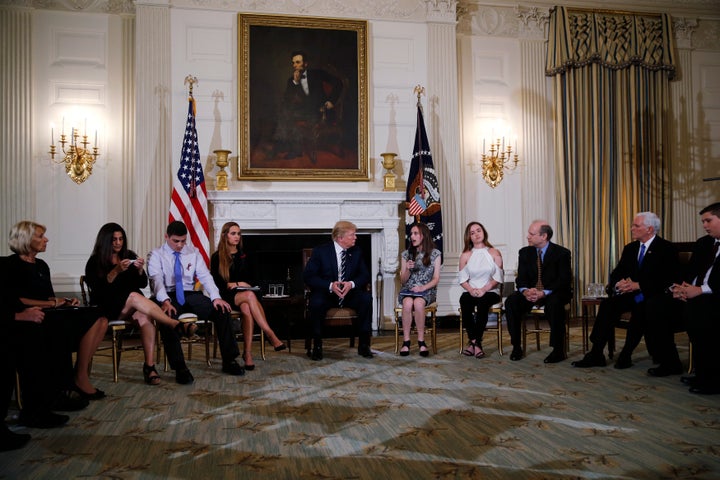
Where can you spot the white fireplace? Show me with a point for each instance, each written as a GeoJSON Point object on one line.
{"type": "Point", "coordinates": [376, 213]}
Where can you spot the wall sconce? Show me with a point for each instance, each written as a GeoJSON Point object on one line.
{"type": "Point", "coordinates": [500, 159]}
{"type": "Point", "coordinates": [78, 158]}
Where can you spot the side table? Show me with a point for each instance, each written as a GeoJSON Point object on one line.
{"type": "Point", "coordinates": [588, 303]}
{"type": "Point", "coordinates": [284, 311]}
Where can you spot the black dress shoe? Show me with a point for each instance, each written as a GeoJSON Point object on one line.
{"type": "Point", "coordinates": [517, 354]}
{"type": "Point", "coordinates": [183, 376]}
{"type": "Point", "coordinates": [42, 420]}
{"type": "Point", "coordinates": [590, 360]}
{"type": "Point", "coordinates": [69, 401]}
{"type": "Point", "coordinates": [364, 351]}
{"type": "Point", "coordinates": [10, 440]}
{"type": "Point", "coordinates": [688, 380]}
{"type": "Point", "coordinates": [316, 354]}
{"type": "Point", "coordinates": [233, 368]}
{"type": "Point", "coordinates": [701, 389]}
{"type": "Point", "coordinates": [663, 371]}
{"type": "Point", "coordinates": [556, 356]}
{"type": "Point", "coordinates": [623, 362]}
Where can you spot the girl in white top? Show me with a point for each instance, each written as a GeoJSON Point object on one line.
{"type": "Point", "coordinates": [480, 275]}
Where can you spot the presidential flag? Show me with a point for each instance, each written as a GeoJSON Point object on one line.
{"type": "Point", "coordinates": [423, 191]}
{"type": "Point", "coordinates": [189, 197]}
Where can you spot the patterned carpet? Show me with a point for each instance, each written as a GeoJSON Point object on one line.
{"type": "Point", "coordinates": [346, 417]}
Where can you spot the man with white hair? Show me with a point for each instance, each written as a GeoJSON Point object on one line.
{"type": "Point", "coordinates": [648, 265]}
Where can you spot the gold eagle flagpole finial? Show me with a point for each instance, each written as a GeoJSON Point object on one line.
{"type": "Point", "coordinates": [192, 80]}
{"type": "Point", "coordinates": [419, 91]}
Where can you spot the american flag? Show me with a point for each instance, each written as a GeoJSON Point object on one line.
{"type": "Point", "coordinates": [189, 197]}
{"type": "Point", "coordinates": [423, 191]}
{"type": "Point", "coordinates": [417, 205]}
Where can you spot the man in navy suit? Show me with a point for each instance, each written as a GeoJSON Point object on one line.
{"type": "Point", "coordinates": [549, 286]}
{"type": "Point", "coordinates": [701, 292]}
{"type": "Point", "coordinates": [647, 267]}
{"type": "Point", "coordinates": [334, 282]}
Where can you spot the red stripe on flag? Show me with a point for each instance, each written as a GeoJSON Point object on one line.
{"type": "Point", "coordinates": [188, 202]}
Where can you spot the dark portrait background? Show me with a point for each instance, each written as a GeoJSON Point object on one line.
{"type": "Point", "coordinates": [335, 143]}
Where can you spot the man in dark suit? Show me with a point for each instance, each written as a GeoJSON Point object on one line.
{"type": "Point", "coordinates": [310, 98]}
{"type": "Point", "coordinates": [548, 285]}
{"type": "Point", "coordinates": [336, 282]}
{"type": "Point", "coordinates": [701, 292]}
{"type": "Point", "coordinates": [647, 266]}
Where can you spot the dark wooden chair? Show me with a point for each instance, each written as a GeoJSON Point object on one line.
{"type": "Point", "coordinates": [335, 318]}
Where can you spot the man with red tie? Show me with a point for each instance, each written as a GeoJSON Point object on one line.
{"type": "Point", "coordinates": [701, 292]}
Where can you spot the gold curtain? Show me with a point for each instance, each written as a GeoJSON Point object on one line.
{"type": "Point", "coordinates": [611, 80]}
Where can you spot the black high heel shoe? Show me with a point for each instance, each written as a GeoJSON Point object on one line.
{"type": "Point", "coordinates": [280, 347]}
{"type": "Point", "coordinates": [248, 367]}
{"type": "Point", "coordinates": [96, 395]}
{"type": "Point", "coordinates": [405, 353]}
{"type": "Point", "coordinates": [151, 379]}
{"type": "Point", "coordinates": [423, 353]}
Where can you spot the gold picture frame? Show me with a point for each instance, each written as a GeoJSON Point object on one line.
{"type": "Point", "coordinates": [299, 128]}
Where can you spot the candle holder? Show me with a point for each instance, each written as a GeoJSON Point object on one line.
{"type": "Point", "coordinates": [494, 164]}
{"type": "Point", "coordinates": [388, 164]}
{"type": "Point", "coordinates": [78, 158]}
{"type": "Point", "coordinates": [221, 179]}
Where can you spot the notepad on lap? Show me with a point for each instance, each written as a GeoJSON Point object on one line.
{"type": "Point", "coordinates": [245, 289]}
{"type": "Point", "coordinates": [410, 293]}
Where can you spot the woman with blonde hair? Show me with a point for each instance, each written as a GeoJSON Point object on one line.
{"type": "Point", "coordinates": [230, 270]}
{"type": "Point", "coordinates": [68, 328]}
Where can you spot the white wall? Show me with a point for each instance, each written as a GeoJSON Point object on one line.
{"type": "Point", "coordinates": [490, 80]}
{"type": "Point", "coordinates": [75, 67]}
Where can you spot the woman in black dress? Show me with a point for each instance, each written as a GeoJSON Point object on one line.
{"type": "Point", "coordinates": [230, 269]}
{"type": "Point", "coordinates": [64, 330]}
{"type": "Point", "coordinates": [115, 276]}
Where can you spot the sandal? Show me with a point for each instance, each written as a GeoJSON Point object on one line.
{"type": "Point", "coordinates": [148, 372]}
{"type": "Point", "coordinates": [405, 353]}
{"type": "Point", "coordinates": [479, 352]}
{"type": "Point", "coordinates": [186, 329]}
{"type": "Point", "coordinates": [470, 350]}
{"type": "Point", "coordinates": [423, 353]}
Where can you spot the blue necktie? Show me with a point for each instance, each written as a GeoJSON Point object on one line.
{"type": "Point", "coordinates": [179, 292]}
{"type": "Point", "coordinates": [640, 297]}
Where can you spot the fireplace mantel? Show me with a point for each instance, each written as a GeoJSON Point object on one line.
{"type": "Point", "coordinates": [376, 213]}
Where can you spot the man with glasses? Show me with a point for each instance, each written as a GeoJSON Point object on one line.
{"type": "Point", "coordinates": [544, 278]}
{"type": "Point", "coordinates": [647, 266]}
